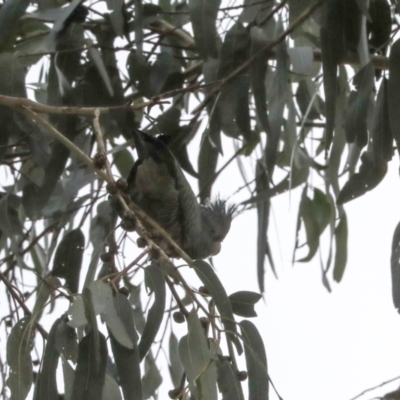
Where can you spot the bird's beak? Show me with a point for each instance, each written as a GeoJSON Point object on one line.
{"type": "Point", "coordinates": [216, 248]}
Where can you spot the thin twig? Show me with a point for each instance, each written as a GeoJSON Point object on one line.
{"type": "Point", "coordinates": [375, 387]}
{"type": "Point", "coordinates": [18, 299]}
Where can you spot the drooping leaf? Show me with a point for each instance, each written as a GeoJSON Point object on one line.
{"type": "Point", "coordinates": [103, 297]}
{"type": "Point", "coordinates": [243, 303]}
{"type": "Point", "coordinates": [203, 15]}
{"type": "Point", "coordinates": [68, 259]}
{"type": "Point", "coordinates": [102, 224]}
{"type": "Point", "coordinates": [302, 60]}
{"type": "Point", "coordinates": [155, 281]}
{"type": "Point", "coordinates": [45, 289]}
{"type": "Point", "coordinates": [97, 59]}
{"type": "Point", "coordinates": [10, 223]}
{"type": "Point", "coordinates": [256, 361]}
{"type": "Point", "coordinates": [258, 71]}
{"type": "Point", "coordinates": [63, 21]}
{"type": "Point", "coordinates": [210, 280]}
{"type": "Point", "coordinates": [393, 93]}
{"type": "Point", "coordinates": [111, 389]}
{"type": "Point", "coordinates": [194, 352]}
{"type": "Point", "coordinates": [395, 267]}
{"type": "Point", "coordinates": [255, 10]}
{"type": "Point", "coordinates": [357, 109]}
{"type": "Point", "coordinates": [228, 382]}
{"type": "Point", "coordinates": [123, 161]}
{"type": "Point", "coordinates": [46, 383]}
{"type": "Point", "coordinates": [175, 365]}
{"type": "Point", "coordinates": [233, 108]}
{"type": "Point", "coordinates": [315, 214]}
{"type": "Point", "coordinates": [139, 72]}
{"type": "Point", "coordinates": [379, 25]}
{"type": "Point", "coordinates": [19, 345]}
{"type": "Point", "coordinates": [339, 140]}
{"type": "Point", "coordinates": [210, 71]}
{"type": "Point", "coordinates": [263, 209]}
{"type": "Point", "coordinates": [10, 15]}
{"type": "Point", "coordinates": [179, 146]}
{"type": "Point", "coordinates": [207, 165]}
{"type": "Point", "coordinates": [367, 178]}
{"type": "Point", "coordinates": [67, 341]}
{"type": "Point", "coordinates": [341, 249]}
{"type": "Point", "coordinates": [127, 360]}
{"type": "Point", "coordinates": [382, 138]}
{"type": "Point", "coordinates": [165, 74]}
{"type": "Point", "coordinates": [234, 50]}
{"type": "Point", "coordinates": [207, 383]}
{"type": "Point", "coordinates": [90, 368]}
{"type": "Point", "coordinates": [152, 378]}
{"type": "Point", "coordinates": [277, 98]}
{"type": "Point", "coordinates": [333, 51]}
{"type": "Point", "coordinates": [303, 99]}
{"type": "Point", "coordinates": [68, 373]}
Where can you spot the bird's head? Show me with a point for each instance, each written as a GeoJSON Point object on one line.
{"type": "Point", "coordinates": [216, 218]}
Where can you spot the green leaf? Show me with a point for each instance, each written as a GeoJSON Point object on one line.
{"type": "Point", "coordinates": [46, 288]}
{"type": "Point", "coordinates": [90, 368]}
{"type": "Point", "coordinates": [207, 383]}
{"type": "Point", "coordinates": [395, 267]}
{"type": "Point", "coordinates": [127, 360]}
{"type": "Point", "coordinates": [243, 303]}
{"type": "Point", "coordinates": [357, 108]}
{"type": "Point", "coordinates": [197, 359]}
{"type": "Point", "coordinates": [211, 281]}
{"type": "Point", "coordinates": [234, 50]}
{"type": "Point", "coordinates": [315, 214]}
{"type": "Point", "coordinates": [68, 373]}
{"type": "Point", "coordinates": [103, 296]}
{"type": "Point", "coordinates": [152, 378]}
{"type": "Point", "coordinates": [97, 59]}
{"type": "Point", "coordinates": [68, 259]}
{"type": "Point", "coordinates": [203, 15]}
{"type": "Point", "coordinates": [258, 71]}
{"type": "Point", "coordinates": [123, 161]}
{"type": "Point", "coordinates": [10, 15]}
{"type": "Point", "coordinates": [382, 137]}
{"type": "Point", "coordinates": [379, 25]}
{"type": "Point", "coordinates": [102, 224]}
{"type": "Point", "coordinates": [19, 344]}
{"type": "Point", "coordinates": [111, 389]}
{"type": "Point", "coordinates": [393, 92]}
{"type": "Point", "coordinates": [175, 365]}
{"type": "Point", "coordinates": [263, 209]}
{"type": "Point", "coordinates": [233, 108]}
{"type": "Point", "coordinates": [207, 164]}
{"type": "Point", "coordinates": [341, 249]}
{"type": "Point", "coordinates": [10, 223]}
{"type": "Point", "coordinates": [46, 383]}
{"type": "Point", "coordinates": [154, 279]}
{"type": "Point", "coordinates": [256, 361]}
{"type": "Point", "coordinates": [228, 382]}
{"type": "Point", "coordinates": [277, 99]}
{"type": "Point", "coordinates": [66, 341]}
{"type": "Point", "coordinates": [367, 178]}
{"type": "Point", "coordinates": [165, 74]}
{"type": "Point", "coordinates": [304, 92]}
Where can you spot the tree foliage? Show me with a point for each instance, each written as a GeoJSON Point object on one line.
{"type": "Point", "coordinates": [301, 88]}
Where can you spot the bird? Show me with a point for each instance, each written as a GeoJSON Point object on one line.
{"type": "Point", "coordinates": [157, 184]}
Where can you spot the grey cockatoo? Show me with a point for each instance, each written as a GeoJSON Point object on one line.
{"type": "Point", "coordinates": [158, 185]}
